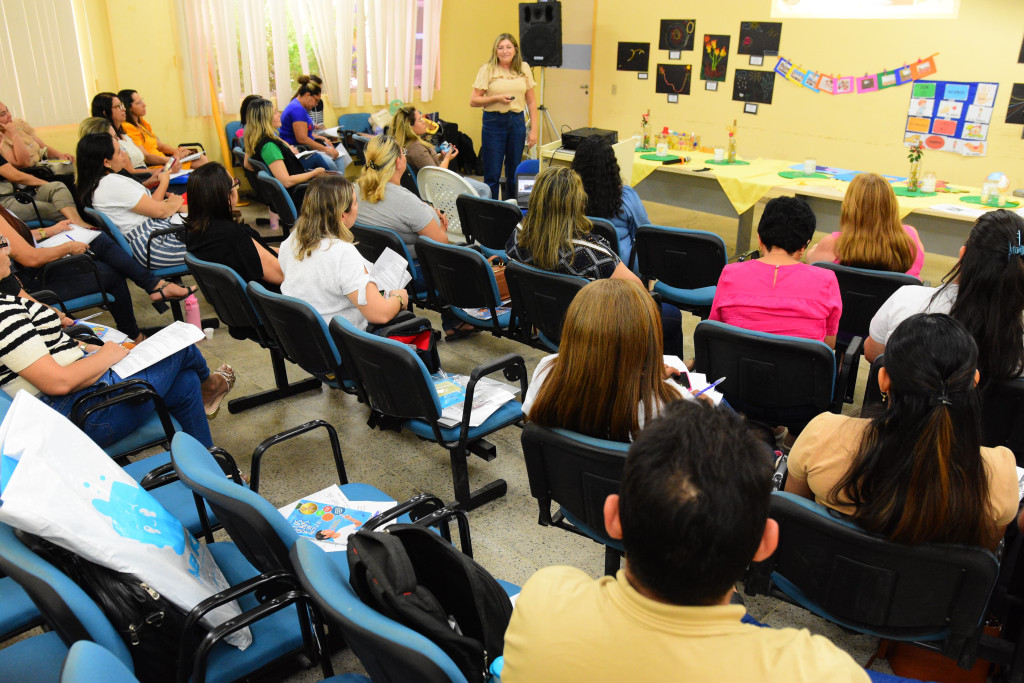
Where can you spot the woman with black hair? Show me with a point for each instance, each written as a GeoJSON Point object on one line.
{"type": "Point", "coordinates": [777, 293]}
{"type": "Point", "coordinates": [918, 472]}
{"type": "Point", "coordinates": [214, 235]}
{"type": "Point", "coordinates": [138, 129]}
{"type": "Point", "coordinates": [984, 291]}
{"type": "Point", "coordinates": [135, 211]}
{"type": "Point", "coordinates": [607, 196]}
{"type": "Point", "coordinates": [297, 128]}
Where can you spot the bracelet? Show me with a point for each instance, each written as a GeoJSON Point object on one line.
{"type": "Point", "coordinates": [401, 302]}
{"type": "Point", "coordinates": [42, 233]}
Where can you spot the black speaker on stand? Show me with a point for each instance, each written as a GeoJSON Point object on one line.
{"type": "Point", "coordinates": [540, 44]}
{"type": "Point", "coordinates": [540, 33]}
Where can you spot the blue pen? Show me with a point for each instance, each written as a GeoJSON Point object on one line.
{"type": "Point", "coordinates": [710, 386]}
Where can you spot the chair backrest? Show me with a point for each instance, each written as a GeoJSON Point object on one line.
{"type": "Point", "coordinates": [541, 298]}
{"type": "Point", "coordinates": [528, 166]}
{"type": "Point", "coordinates": [357, 123]}
{"type": "Point", "coordinates": [864, 582]}
{"type": "Point", "coordinates": [773, 378]}
{"type": "Point", "coordinates": [575, 471]}
{"type": "Point", "coordinates": [602, 227]}
{"type": "Point", "coordinates": [460, 275]}
{"type": "Point", "coordinates": [65, 607]}
{"type": "Point", "coordinates": [88, 662]}
{"type": "Point", "coordinates": [279, 198]}
{"type": "Point", "coordinates": [256, 527]}
{"type": "Point", "coordinates": [300, 332]}
{"type": "Point", "coordinates": [1002, 416]}
{"type": "Point", "coordinates": [681, 258]}
{"type": "Point", "coordinates": [390, 652]}
{"type": "Point", "coordinates": [442, 187]}
{"type": "Point", "coordinates": [408, 181]}
{"type": "Point", "coordinates": [487, 221]}
{"type": "Point", "coordinates": [259, 165]}
{"type": "Point", "coordinates": [372, 240]}
{"type": "Point", "coordinates": [863, 292]}
{"type": "Point", "coordinates": [101, 221]}
{"type": "Point", "coordinates": [224, 289]}
{"type": "Point", "coordinates": [231, 129]}
{"type": "Point", "coordinates": [391, 376]}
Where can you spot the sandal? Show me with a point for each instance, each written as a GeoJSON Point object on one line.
{"type": "Point", "coordinates": [459, 331]}
{"type": "Point", "coordinates": [164, 297]}
{"type": "Point", "coordinates": [213, 407]}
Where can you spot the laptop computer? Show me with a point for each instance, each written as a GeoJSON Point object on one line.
{"type": "Point", "coordinates": [524, 186]}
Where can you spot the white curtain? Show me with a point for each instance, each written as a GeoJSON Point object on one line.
{"type": "Point", "coordinates": [43, 81]}
{"type": "Point", "coordinates": [359, 45]}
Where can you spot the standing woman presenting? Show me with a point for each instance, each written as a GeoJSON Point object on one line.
{"type": "Point", "coordinates": [504, 88]}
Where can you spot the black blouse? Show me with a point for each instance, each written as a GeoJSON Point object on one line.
{"type": "Point", "coordinates": [231, 244]}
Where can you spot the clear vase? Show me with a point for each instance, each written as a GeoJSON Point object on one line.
{"type": "Point", "coordinates": [646, 142]}
{"type": "Point", "coordinates": [914, 179]}
{"type": "Point", "coordinates": [732, 150]}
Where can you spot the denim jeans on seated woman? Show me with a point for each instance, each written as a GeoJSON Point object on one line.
{"type": "Point", "coordinates": [176, 378]}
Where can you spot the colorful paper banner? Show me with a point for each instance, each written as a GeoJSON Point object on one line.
{"type": "Point", "coordinates": [819, 81]}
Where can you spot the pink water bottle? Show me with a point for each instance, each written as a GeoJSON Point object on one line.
{"type": "Point", "coordinates": [192, 316]}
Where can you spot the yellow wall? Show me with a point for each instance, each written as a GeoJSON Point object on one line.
{"type": "Point", "coordinates": [123, 47]}
{"type": "Point", "coordinates": [863, 132]}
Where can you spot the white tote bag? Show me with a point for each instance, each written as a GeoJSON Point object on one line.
{"type": "Point", "coordinates": [56, 483]}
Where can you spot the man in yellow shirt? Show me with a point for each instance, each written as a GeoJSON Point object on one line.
{"type": "Point", "coordinates": [692, 513]}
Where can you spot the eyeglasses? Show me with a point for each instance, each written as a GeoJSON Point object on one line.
{"type": "Point", "coordinates": [119, 106]}
{"type": "Point", "coordinates": [4, 244]}
{"type": "Point", "coordinates": [235, 182]}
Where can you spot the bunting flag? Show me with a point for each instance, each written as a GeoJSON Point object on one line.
{"type": "Point", "coordinates": [819, 81]}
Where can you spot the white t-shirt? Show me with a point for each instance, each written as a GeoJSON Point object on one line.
{"type": "Point", "coordinates": [116, 196]}
{"type": "Point", "coordinates": [543, 369]}
{"type": "Point", "coordinates": [326, 277]}
{"type": "Point", "coordinates": [905, 302]}
{"type": "Point", "coordinates": [136, 155]}
{"type": "Point", "coordinates": [399, 210]}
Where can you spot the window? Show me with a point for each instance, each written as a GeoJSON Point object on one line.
{"type": "Point", "coordinates": [384, 48]}
{"type": "Point", "coordinates": [43, 82]}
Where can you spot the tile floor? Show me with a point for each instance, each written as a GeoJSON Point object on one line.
{"type": "Point", "coordinates": [506, 537]}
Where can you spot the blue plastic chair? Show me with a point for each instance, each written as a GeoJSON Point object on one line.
{"type": "Point", "coordinates": [685, 263]}
{"type": "Point", "coordinates": [540, 300]}
{"type": "Point", "coordinates": [281, 200]}
{"type": "Point", "coordinates": [372, 240]}
{"type": "Point", "coordinates": [463, 279]}
{"type": "Point", "coordinates": [88, 662]}
{"type": "Point", "coordinates": [488, 222]}
{"type": "Point", "coordinates": [397, 385]}
{"type": "Point", "coordinates": [358, 122]}
{"type": "Point", "coordinates": [65, 607]}
{"type": "Point", "coordinates": [577, 473]}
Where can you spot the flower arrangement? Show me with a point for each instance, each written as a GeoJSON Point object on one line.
{"type": "Point", "coordinates": [914, 157]}
{"type": "Point", "coordinates": [732, 141]}
{"type": "Point", "coordinates": [645, 122]}
{"type": "Point", "coordinates": [916, 152]}
{"type": "Point", "coordinates": [714, 52]}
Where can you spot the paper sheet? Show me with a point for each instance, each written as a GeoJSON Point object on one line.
{"type": "Point", "coordinates": [190, 157]}
{"type": "Point", "coordinates": [390, 271]}
{"type": "Point", "coordinates": [698, 380]}
{"type": "Point", "coordinates": [303, 155]}
{"type": "Point", "coordinates": [171, 339]}
{"type": "Point", "coordinates": [957, 210]}
{"type": "Point", "coordinates": [180, 174]}
{"type": "Point", "coordinates": [76, 234]}
{"type": "Point", "coordinates": [332, 495]}
{"type": "Point", "coordinates": [488, 396]}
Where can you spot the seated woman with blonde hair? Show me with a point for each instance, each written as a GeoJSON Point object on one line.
{"type": "Point", "coordinates": [579, 389]}
{"type": "Point", "coordinates": [386, 204]}
{"type": "Point", "coordinates": [408, 127]}
{"type": "Point", "coordinates": [555, 236]}
{"type": "Point", "coordinates": [871, 234]}
{"type": "Point", "coordinates": [322, 265]}
{"type": "Point", "coordinates": [918, 473]}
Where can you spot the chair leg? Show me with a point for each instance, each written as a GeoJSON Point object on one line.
{"type": "Point", "coordinates": [283, 388]}
{"type": "Point", "coordinates": [469, 500]}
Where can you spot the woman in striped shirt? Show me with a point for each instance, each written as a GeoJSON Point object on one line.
{"type": "Point", "coordinates": [37, 356]}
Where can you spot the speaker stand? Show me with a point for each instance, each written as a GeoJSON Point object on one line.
{"type": "Point", "coordinates": [545, 116]}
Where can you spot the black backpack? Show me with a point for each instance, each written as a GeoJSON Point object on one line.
{"type": "Point", "coordinates": [417, 578]}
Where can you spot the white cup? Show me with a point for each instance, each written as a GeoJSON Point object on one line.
{"type": "Point", "coordinates": [662, 148]}
{"type": "Point", "coordinates": [208, 331]}
{"type": "Point", "coordinates": [928, 182]}
{"type": "Point", "coordinates": [810, 165]}
{"type": "Point", "coordinates": [719, 154]}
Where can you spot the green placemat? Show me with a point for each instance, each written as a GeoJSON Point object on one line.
{"type": "Point", "coordinates": [993, 201]}
{"type": "Point", "coordinates": [655, 157]}
{"type": "Point", "coordinates": [801, 174]}
{"type": "Point", "coordinates": [727, 163]}
{"type": "Point", "coordinates": [647, 149]}
{"type": "Point", "coordinates": [904, 192]}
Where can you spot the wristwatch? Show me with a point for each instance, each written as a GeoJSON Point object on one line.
{"type": "Point", "coordinates": [401, 301]}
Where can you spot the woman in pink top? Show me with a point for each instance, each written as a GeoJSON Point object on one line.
{"type": "Point", "coordinates": [871, 234]}
{"type": "Point", "coordinates": [777, 293]}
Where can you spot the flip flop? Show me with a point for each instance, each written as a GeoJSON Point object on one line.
{"type": "Point", "coordinates": [459, 331]}
{"type": "Point", "coordinates": [228, 374]}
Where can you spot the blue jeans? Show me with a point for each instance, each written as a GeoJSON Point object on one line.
{"type": "Point", "coordinates": [113, 266]}
{"type": "Point", "coordinates": [176, 378]}
{"type": "Point", "coordinates": [502, 140]}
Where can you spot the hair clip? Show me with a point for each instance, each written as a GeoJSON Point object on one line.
{"type": "Point", "coordinates": [1015, 250]}
{"type": "Point", "coordinates": [372, 166]}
